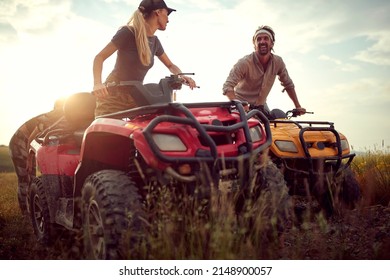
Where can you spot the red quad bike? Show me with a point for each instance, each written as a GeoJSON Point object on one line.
{"type": "Point", "coordinates": [93, 172]}
{"type": "Point", "coordinates": [315, 159]}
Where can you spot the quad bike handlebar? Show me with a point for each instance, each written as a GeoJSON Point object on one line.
{"type": "Point", "coordinates": [276, 113]}
{"type": "Point", "coordinates": [174, 80]}
{"type": "Point", "coordinates": [183, 81]}
{"type": "Point", "coordinates": [152, 93]}
{"type": "Point", "coordinates": [295, 113]}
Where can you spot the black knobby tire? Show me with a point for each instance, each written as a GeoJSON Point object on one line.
{"type": "Point", "coordinates": [350, 193]}
{"type": "Point", "coordinates": [44, 231]}
{"type": "Point", "coordinates": [22, 198]}
{"type": "Point", "coordinates": [342, 191]}
{"type": "Point", "coordinates": [112, 216]}
{"type": "Point", "coordinates": [269, 204]}
{"type": "Point", "coordinates": [271, 190]}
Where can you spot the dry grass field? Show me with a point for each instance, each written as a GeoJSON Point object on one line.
{"type": "Point", "coordinates": [362, 233]}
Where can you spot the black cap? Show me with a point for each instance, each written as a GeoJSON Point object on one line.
{"type": "Point", "coordinates": [147, 6]}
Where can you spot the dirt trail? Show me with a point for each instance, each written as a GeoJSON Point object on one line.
{"type": "Point", "coordinates": [360, 234]}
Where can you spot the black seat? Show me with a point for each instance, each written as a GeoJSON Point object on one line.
{"type": "Point", "coordinates": [278, 114]}
{"type": "Point", "coordinates": [79, 110]}
{"type": "Point", "coordinates": [149, 94]}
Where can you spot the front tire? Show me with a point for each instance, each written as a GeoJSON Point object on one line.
{"type": "Point", "coordinates": [350, 193]}
{"type": "Point", "coordinates": [270, 191]}
{"type": "Point", "coordinates": [112, 216]}
{"type": "Point", "coordinates": [342, 191]}
{"type": "Point", "coordinates": [269, 204]}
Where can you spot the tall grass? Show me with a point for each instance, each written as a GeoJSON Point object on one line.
{"type": "Point", "coordinates": [15, 233]}
{"type": "Point", "coordinates": [5, 160]}
{"type": "Point", "coordinates": [373, 173]}
{"type": "Point", "coordinates": [180, 227]}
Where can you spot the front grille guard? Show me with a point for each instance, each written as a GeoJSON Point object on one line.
{"type": "Point", "coordinates": [338, 158]}
{"type": "Point", "coordinates": [202, 129]}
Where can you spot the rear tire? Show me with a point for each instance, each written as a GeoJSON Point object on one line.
{"type": "Point", "coordinates": [112, 216]}
{"type": "Point", "coordinates": [44, 231]}
{"type": "Point", "coordinates": [22, 198]}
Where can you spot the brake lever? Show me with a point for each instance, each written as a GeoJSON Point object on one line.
{"type": "Point", "coordinates": [187, 84]}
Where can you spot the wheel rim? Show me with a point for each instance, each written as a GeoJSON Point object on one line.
{"type": "Point", "coordinates": [39, 218]}
{"type": "Point", "coordinates": [96, 231]}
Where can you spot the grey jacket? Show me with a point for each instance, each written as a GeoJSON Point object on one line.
{"type": "Point", "coordinates": [249, 81]}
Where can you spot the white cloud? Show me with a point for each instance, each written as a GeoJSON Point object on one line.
{"type": "Point", "coordinates": [8, 33]}
{"type": "Point", "coordinates": [35, 16]}
{"type": "Point", "coordinates": [340, 65]}
{"type": "Point", "coordinates": [379, 52]}
{"type": "Point", "coordinates": [327, 58]}
{"type": "Point", "coordinates": [39, 67]}
{"type": "Point", "coordinates": [56, 45]}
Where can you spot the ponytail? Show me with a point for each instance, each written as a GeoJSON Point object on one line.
{"type": "Point", "coordinates": [138, 26]}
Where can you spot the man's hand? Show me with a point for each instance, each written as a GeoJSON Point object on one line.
{"type": "Point", "coordinates": [300, 111]}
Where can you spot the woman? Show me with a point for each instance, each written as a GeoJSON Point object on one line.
{"type": "Point", "coordinates": [136, 46]}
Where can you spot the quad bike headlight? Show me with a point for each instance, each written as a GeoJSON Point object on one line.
{"type": "Point", "coordinates": [286, 146]}
{"type": "Point", "coordinates": [344, 144]}
{"type": "Point", "coordinates": [255, 133]}
{"type": "Point", "coordinates": [169, 143]}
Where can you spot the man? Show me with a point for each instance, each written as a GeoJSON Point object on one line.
{"type": "Point", "coordinates": [253, 76]}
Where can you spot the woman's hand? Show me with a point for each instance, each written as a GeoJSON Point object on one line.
{"type": "Point", "coordinates": [189, 82]}
{"type": "Point", "coordinates": [100, 91]}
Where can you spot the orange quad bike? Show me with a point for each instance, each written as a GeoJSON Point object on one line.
{"type": "Point", "coordinates": [315, 159]}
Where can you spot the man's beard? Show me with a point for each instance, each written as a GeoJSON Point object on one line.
{"type": "Point", "coordinates": [263, 49]}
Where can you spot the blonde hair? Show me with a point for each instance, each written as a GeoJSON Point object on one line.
{"type": "Point", "coordinates": [137, 24]}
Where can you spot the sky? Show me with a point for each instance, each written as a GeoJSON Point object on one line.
{"type": "Point", "coordinates": [336, 52]}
